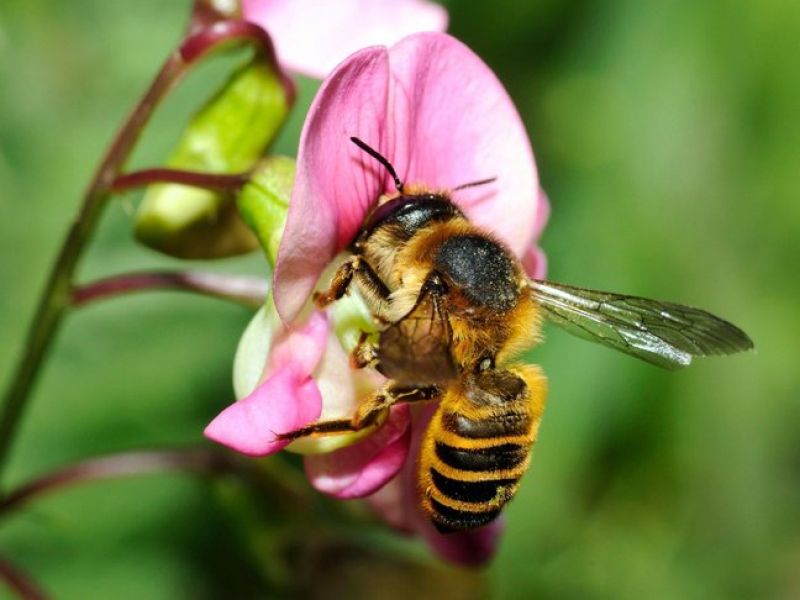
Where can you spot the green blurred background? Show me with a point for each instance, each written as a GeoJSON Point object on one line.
{"type": "Point", "coordinates": [667, 135]}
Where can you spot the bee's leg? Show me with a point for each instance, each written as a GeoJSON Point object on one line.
{"type": "Point", "coordinates": [339, 284]}
{"type": "Point", "coordinates": [377, 405]}
{"type": "Point", "coordinates": [371, 286]}
{"type": "Point", "coordinates": [365, 354]}
{"type": "Point", "coordinates": [373, 410]}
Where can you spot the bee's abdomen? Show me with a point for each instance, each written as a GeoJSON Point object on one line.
{"type": "Point", "coordinates": [471, 469]}
{"type": "Point", "coordinates": [501, 457]}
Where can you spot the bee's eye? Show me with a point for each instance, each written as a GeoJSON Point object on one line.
{"type": "Point", "coordinates": [485, 364]}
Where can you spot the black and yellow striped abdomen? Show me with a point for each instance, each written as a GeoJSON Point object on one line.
{"type": "Point", "coordinates": [478, 446]}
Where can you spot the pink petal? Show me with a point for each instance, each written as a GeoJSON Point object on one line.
{"type": "Point", "coordinates": [363, 468]}
{"type": "Point", "coordinates": [313, 36]}
{"type": "Point", "coordinates": [389, 503]}
{"type": "Point", "coordinates": [302, 347]}
{"type": "Point", "coordinates": [454, 123]}
{"type": "Point", "coordinates": [534, 261]}
{"type": "Point", "coordinates": [336, 183]}
{"type": "Point", "coordinates": [467, 548]}
{"type": "Point", "coordinates": [285, 401]}
{"type": "Point", "coordinates": [542, 214]}
{"type": "Point", "coordinates": [398, 503]}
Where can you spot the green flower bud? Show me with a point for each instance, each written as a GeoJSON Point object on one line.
{"type": "Point", "coordinates": [228, 135]}
{"type": "Point", "coordinates": [264, 200]}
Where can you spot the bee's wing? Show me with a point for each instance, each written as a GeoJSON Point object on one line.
{"type": "Point", "coordinates": [662, 333]}
{"type": "Point", "coordinates": [416, 349]}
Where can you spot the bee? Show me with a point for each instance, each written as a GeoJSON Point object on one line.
{"type": "Point", "coordinates": [454, 307]}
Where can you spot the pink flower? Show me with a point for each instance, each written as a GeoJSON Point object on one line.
{"type": "Point", "coordinates": [442, 118]}
{"type": "Point", "coordinates": [313, 36]}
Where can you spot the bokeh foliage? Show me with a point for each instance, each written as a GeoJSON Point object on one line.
{"type": "Point", "coordinates": [668, 138]}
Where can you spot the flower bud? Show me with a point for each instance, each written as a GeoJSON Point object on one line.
{"type": "Point", "coordinates": [264, 201]}
{"type": "Point", "coordinates": [228, 135]}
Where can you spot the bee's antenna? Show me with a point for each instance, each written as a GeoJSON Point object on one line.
{"type": "Point", "coordinates": [464, 186]}
{"type": "Point", "coordinates": [374, 154]}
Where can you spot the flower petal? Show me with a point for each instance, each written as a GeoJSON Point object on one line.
{"type": "Point", "coordinates": [467, 548]}
{"type": "Point", "coordinates": [300, 348]}
{"type": "Point", "coordinates": [534, 261]}
{"type": "Point", "coordinates": [313, 36]}
{"type": "Point", "coordinates": [389, 503]}
{"type": "Point", "coordinates": [253, 350]}
{"type": "Point", "coordinates": [288, 399]}
{"type": "Point", "coordinates": [336, 183]}
{"type": "Point", "coordinates": [341, 388]}
{"type": "Point", "coordinates": [542, 214]}
{"type": "Point", "coordinates": [285, 401]}
{"type": "Point", "coordinates": [363, 468]}
{"type": "Point", "coordinates": [454, 123]}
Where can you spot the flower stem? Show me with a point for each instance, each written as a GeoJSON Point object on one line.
{"type": "Point", "coordinates": [281, 483]}
{"type": "Point", "coordinates": [114, 465]}
{"type": "Point", "coordinates": [57, 295]}
{"type": "Point", "coordinates": [19, 582]}
{"type": "Point", "coordinates": [219, 182]}
{"type": "Point", "coordinates": [242, 289]}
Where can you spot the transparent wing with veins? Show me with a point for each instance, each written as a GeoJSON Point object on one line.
{"type": "Point", "coordinates": [662, 333]}
{"type": "Point", "coordinates": [416, 349]}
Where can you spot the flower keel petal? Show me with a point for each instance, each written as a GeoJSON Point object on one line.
{"type": "Point", "coordinates": [284, 402]}
{"type": "Point", "coordinates": [467, 548]}
{"type": "Point", "coordinates": [363, 468]}
{"type": "Point", "coordinates": [301, 348]}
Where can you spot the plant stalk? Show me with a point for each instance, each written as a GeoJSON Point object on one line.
{"type": "Point", "coordinates": [246, 290]}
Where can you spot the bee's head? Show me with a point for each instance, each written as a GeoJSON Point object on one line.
{"type": "Point", "coordinates": [413, 206]}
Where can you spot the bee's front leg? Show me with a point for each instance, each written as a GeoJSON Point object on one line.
{"type": "Point", "coordinates": [339, 284]}
{"type": "Point", "coordinates": [373, 290]}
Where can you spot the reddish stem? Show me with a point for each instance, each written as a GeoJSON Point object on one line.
{"type": "Point", "coordinates": [115, 465]}
{"type": "Point", "coordinates": [19, 582]}
{"type": "Point", "coordinates": [242, 289]}
{"type": "Point", "coordinates": [237, 31]}
{"type": "Point", "coordinates": [207, 12]}
{"type": "Point", "coordinates": [57, 294]}
{"type": "Point", "coordinates": [219, 182]}
{"type": "Point", "coordinates": [284, 486]}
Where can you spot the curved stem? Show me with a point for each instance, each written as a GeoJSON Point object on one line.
{"type": "Point", "coordinates": [57, 295]}
{"type": "Point", "coordinates": [219, 182]}
{"type": "Point", "coordinates": [19, 582]}
{"type": "Point", "coordinates": [284, 485]}
{"type": "Point", "coordinates": [55, 298]}
{"type": "Point", "coordinates": [115, 465]}
{"type": "Point", "coordinates": [242, 289]}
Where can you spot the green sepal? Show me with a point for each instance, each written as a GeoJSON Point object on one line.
{"type": "Point", "coordinates": [228, 135]}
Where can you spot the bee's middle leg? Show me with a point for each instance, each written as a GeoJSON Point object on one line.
{"type": "Point", "coordinates": [365, 354]}
{"type": "Point", "coordinates": [373, 410]}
